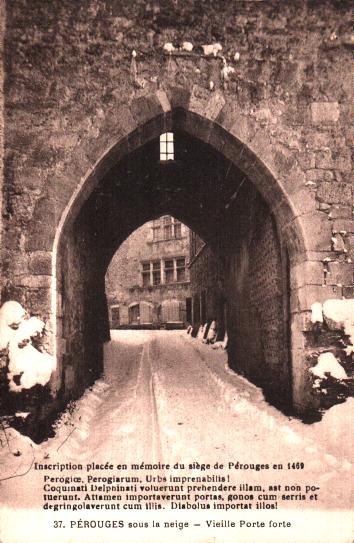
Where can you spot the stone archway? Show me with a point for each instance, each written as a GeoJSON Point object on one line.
{"type": "Point", "coordinates": [233, 153]}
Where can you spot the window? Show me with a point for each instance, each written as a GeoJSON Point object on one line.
{"type": "Point", "coordinates": [181, 269]}
{"type": "Point", "coordinates": [177, 230]}
{"type": "Point", "coordinates": [169, 271]}
{"type": "Point", "coordinates": [146, 274]}
{"type": "Point", "coordinates": [156, 230]}
{"type": "Point", "coordinates": [172, 228]}
{"type": "Point", "coordinates": [167, 146]}
{"type": "Point", "coordinates": [156, 233]}
{"type": "Point", "coordinates": [159, 272]}
{"type": "Point", "coordinates": [156, 273]}
{"type": "Point", "coordinates": [166, 228]}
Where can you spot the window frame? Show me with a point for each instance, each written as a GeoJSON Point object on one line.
{"type": "Point", "coordinates": [160, 274]}
{"type": "Point", "coordinates": [167, 147]}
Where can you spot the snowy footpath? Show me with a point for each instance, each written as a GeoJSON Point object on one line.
{"type": "Point", "coordinates": [167, 399]}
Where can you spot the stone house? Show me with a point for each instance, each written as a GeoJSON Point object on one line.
{"type": "Point", "coordinates": [147, 281]}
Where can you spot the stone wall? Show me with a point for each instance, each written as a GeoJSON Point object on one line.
{"type": "Point", "coordinates": [247, 272]}
{"type": "Point", "coordinates": [71, 92]}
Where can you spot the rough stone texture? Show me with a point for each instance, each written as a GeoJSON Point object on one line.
{"type": "Point", "coordinates": [75, 106]}
{"type": "Point", "coordinates": [325, 112]}
{"type": "Point", "coordinates": [247, 275]}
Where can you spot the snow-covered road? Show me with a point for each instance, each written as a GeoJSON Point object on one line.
{"type": "Point", "coordinates": [166, 397]}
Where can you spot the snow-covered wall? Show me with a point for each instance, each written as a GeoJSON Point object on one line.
{"type": "Point", "coordinates": [332, 350]}
{"type": "Point", "coordinates": [26, 366]}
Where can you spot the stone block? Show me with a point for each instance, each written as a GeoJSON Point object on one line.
{"type": "Point", "coordinates": [40, 263]}
{"type": "Point", "coordinates": [38, 302]}
{"type": "Point", "coordinates": [306, 273]}
{"type": "Point", "coordinates": [41, 235]}
{"type": "Point", "coordinates": [304, 201]}
{"type": "Point", "coordinates": [340, 273]}
{"type": "Point", "coordinates": [341, 212]}
{"type": "Point", "coordinates": [316, 229]}
{"type": "Point", "coordinates": [343, 226]}
{"type": "Point", "coordinates": [214, 105]}
{"type": "Point", "coordinates": [11, 238]}
{"type": "Point", "coordinates": [334, 193]}
{"type": "Point", "coordinates": [199, 98]}
{"type": "Point", "coordinates": [303, 297]}
{"type": "Point", "coordinates": [35, 281]}
{"type": "Point", "coordinates": [319, 140]}
{"type": "Point", "coordinates": [125, 120]}
{"type": "Point", "coordinates": [198, 126]}
{"type": "Point", "coordinates": [17, 263]}
{"type": "Point", "coordinates": [307, 160]}
{"type": "Point", "coordinates": [324, 160]}
{"type": "Point", "coordinates": [343, 162]}
{"type": "Point", "coordinates": [325, 112]}
{"type": "Point", "coordinates": [178, 97]}
{"type": "Point", "coordinates": [318, 176]}
{"type": "Point", "coordinates": [348, 292]}
{"type": "Point", "coordinates": [145, 108]}
{"type": "Point", "coordinates": [164, 101]}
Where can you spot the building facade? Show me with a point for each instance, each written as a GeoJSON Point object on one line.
{"type": "Point", "coordinates": [147, 281]}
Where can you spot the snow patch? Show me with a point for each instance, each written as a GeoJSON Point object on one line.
{"type": "Point", "coordinates": [291, 436]}
{"type": "Point", "coordinates": [169, 47]}
{"type": "Point", "coordinates": [346, 466]}
{"type": "Point", "coordinates": [11, 315]}
{"type": "Point", "coordinates": [212, 49]}
{"type": "Point", "coordinates": [316, 312]}
{"type": "Point", "coordinates": [327, 363]}
{"type": "Point", "coordinates": [342, 313]}
{"type": "Point", "coordinates": [226, 71]}
{"type": "Point", "coordinates": [16, 332]}
{"type": "Point", "coordinates": [187, 46]}
{"type": "Point", "coordinates": [212, 332]}
{"type": "Point", "coordinates": [35, 367]}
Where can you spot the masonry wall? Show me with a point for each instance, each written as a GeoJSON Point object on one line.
{"type": "Point", "coordinates": [247, 273]}
{"type": "Point", "coordinates": [70, 90]}
{"type": "Point", "coordinates": [82, 313]}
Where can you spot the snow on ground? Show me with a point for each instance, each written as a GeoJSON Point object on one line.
{"type": "Point", "coordinates": [248, 398]}
{"type": "Point", "coordinates": [165, 394]}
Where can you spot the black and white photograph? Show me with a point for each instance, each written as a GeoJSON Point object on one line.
{"type": "Point", "coordinates": [176, 277]}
